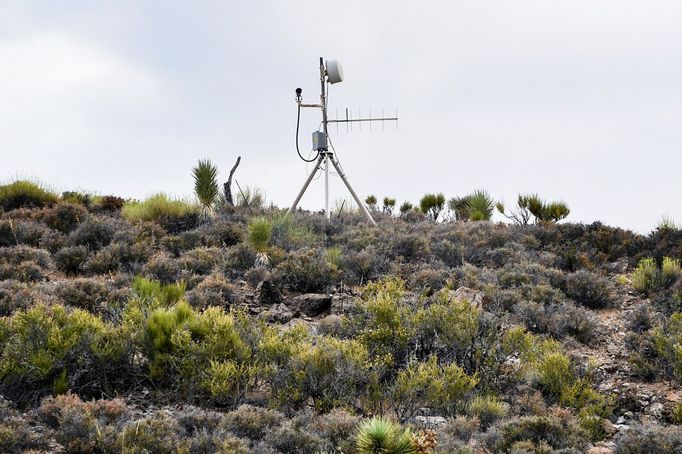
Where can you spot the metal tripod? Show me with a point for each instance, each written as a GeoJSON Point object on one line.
{"type": "Point", "coordinates": [324, 156]}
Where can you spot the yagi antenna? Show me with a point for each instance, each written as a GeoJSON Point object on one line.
{"type": "Point", "coordinates": [331, 73]}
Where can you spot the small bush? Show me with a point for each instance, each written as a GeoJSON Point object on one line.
{"type": "Point", "coordinates": [649, 278]}
{"type": "Point", "coordinates": [259, 233]}
{"type": "Point", "coordinates": [214, 290]}
{"type": "Point", "coordinates": [487, 409]}
{"type": "Point", "coordinates": [24, 263]}
{"type": "Point", "coordinates": [94, 233]}
{"type": "Point", "coordinates": [535, 434]}
{"type": "Point", "coordinates": [163, 268]}
{"type": "Point", "coordinates": [252, 422]}
{"type": "Point", "coordinates": [588, 289]}
{"type": "Point", "coordinates": [651, 439]}
{"type": "Point", "coordinates": [25, 194]}
{"type": "Point", "coordinates": [202, 260]}
{"type": "Point", "coordinates": [57, 346]}
{"type": "Point", "coordinates": [15, 295]}
{"type": "Point", "coordinates": [329, 374]}
{"type": "Point", "coordinates": [429, 385]}
{"type": "Point", "coordinates": [64, 217]}
{"type": "Point", "coordinates": [307, 271]}
{"type": "Point", "coordinates": [71, 259]}
{"type": "Point", "coordinates": [174, 215]}
{"type": "Point", "coordinates": [83, 293]}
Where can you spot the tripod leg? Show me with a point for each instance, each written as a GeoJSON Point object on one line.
{"type": "Point", "coordinates": [350, 189]}
{"type": "Point", "coordinates": [306, 184]}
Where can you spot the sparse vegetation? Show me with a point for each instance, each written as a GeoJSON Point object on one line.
{"type": "Point", "coordinates": [250, 331]}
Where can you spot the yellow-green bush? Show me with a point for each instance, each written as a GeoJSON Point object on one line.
{"type": "Point", "coordinates": [667, 340]}
{"type": "Point", "coordinates": [24, 193]}
{"type": "Point", "coordinates": [174, 215]}
{"type": "Point", "coordinates": [429, 384]}
{"type": "Point", "coordinates": [649, 277]}
{"type": "Point", "coordinates": [326, 372]}
{"type": "Point", "coordinates": [183, 346]}
{"type": "Point", "coordinates": [55, 347]}
{"type": "Point", "coordinates": [487, 409]}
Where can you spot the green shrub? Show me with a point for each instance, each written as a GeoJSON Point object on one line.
{"type": "Point", "coordinates": [44, 345]}
{"type": "Point", "coordinates": [649, 278]}
{"type": "Point", "coordinates": [173, 215]}
{"type": "Point", "coordinates": [378, 435]}
{"type": "Point", "coordinates": [532, 204]}
{"type": "Point", "coordinates": [206, 185]}
{"type": "Point", "coordinates": [487, 409]}
{"type": "Point", "coordinates": [427, 384]}
{"type": "Point", "coordinates": [405, 208]}
{"type": "Point", "coordinates": [555, 374]}
{"type": "Point", "coordinates": [251, 197]}
{"type": "Point", "coordinates": [667, 340]}
{"type": "Point", "coordinates": [289, 233]}
{"type": "Point", "coordinates": [259, 233]}
{"type": "Point", "coordinates": [329, 373]}
{"type": "Point", "coordinates": [432, 205]}
{"type": "Point", "coordinates": [25, 194]}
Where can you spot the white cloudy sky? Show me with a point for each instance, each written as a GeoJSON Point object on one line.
{"type": "Point", "coordinates": [575, 100]}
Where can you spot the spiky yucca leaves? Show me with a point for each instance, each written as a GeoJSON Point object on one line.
{"type": "Point", "coordinates": [480, 206]}
{"type": "Point", "coordinates": [532, 204]}
{"type": "Point", "coordinates": [381, 436]}
{"type": "Point", "coordinates": [371, 202]}
{"type": "Point", "coordinates": [260, 235]}
{"type": "Point", "coordinates": [206, 185]}
{"type": "Point", "coordinates": [432, 205]}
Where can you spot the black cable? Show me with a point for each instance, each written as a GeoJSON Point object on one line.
{"type": "Point", "coordinates": [298, 121]}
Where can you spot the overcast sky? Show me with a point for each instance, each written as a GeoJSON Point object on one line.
{"type": "Point", "coordinates": [574, 100]}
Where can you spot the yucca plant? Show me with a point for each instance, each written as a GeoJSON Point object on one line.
{"type": "Point", "coordinates": [206, 185]}
{"type": "Point", "coordinates": [381, 436]}
{"type": "Point", "coordinates": [480, 206]}
{"type": "Point", "coordinates": [260, 235]}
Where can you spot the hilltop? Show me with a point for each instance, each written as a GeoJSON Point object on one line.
{"type": "Point", "coordinates": [162, 326]}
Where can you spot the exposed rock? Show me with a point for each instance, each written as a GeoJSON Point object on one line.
{"type": "Point", "coordinates": [475, 297]}
{"type": "Point", "coordinates": [341, 302]}
{"type": "Point", "coordinates": [429, 422]}
{"type": "Point", "coordinates": [311, 304]}
{"type": "Point", "coordinates": [655, 410]}
{"type": "Point", "coordinates": [268, 294]}
{"type": "Point", "coordinates": [279, 313]}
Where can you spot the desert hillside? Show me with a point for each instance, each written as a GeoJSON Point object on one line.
{"type": "Point", "coordinates": [161, 326]}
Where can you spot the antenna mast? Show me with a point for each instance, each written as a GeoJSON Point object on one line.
{"type": "Point", "coordinates": [332, 73]}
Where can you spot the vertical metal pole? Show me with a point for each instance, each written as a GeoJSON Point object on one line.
{"type": "Point", "coordinates": [326, 154]}
{"type": "Point", "coordinates": [327, 213]}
